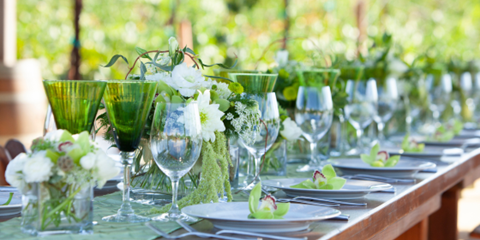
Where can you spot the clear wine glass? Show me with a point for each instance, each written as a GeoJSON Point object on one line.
{"type": "Point", "coordinates": [262, 137]}
{"type": "Point", "coordinates": [361, 108]}
{"type": "Point", "coordinates": [314, 115]}
{"type": "Point", "coordinates": [176, 143]}
{"type": "Point", "coordinates": [386, 104]}
{"type": "Point", "coordinates": [439, 95]}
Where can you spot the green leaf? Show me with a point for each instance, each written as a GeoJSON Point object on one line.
{"type": "Point", "coordinates": [254, 197]}
{"type": "Point", "coordinates": [84, 141]}
{"type": "Point", "coordinates": [392, 161]}
{"type": "Point", "coordinates": [9, 199]}
{"type": "Point", "coordinates": [218, 64]}
{"type": "Point", "coordinates": [336, 182]}
{"type": "Point", "coordinates": [224, 104]}
{"type": "Point", "coordinates": [188, 50]}
{"type": "Point", "coordinates": [76, 154]}
{"type": "Point", "coordinates": [143, 70]}
{"type": "Point", "coordinates": [282, 209]}
{"type": "Point", "coordinates": [218, 77]}
{"type": "Point", "coordinates": [261, 215]}
{"type": "Point", "coordinates": [141, 51]}
{"type": "Point", "coordinates": [114, 59]}
{"type": "Point", "coordinates": [328, 171]}
{"type": "Point", "coordinates": [367, 158]}
{"type": "Point", "coordinates": [66, 136]}
{"type": "Point", "coordinates": [52, 155]}
{"type": "Point", "coordinates": [307, 184]}
{"type": "Point", "coordinates": [374, 151]}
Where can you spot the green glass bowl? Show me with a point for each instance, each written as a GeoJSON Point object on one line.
{"type": "Point", "coordinates": [128, 104]}
{"type": "Point", "coordinates": [74, 102]}
{"type": "Point", "coordinates": [224, 73]}
{"type": "Point", "coordinates": [255, 82]}
{"type": "Point", "coordinates": [354, 73]}
{"type": "Point", "coordinates": [318, 77]}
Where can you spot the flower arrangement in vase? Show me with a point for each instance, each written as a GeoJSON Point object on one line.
{"type": "Point", "coordinates": [56, 180]}
{"type": "Point", "coordinates": [224, 113]}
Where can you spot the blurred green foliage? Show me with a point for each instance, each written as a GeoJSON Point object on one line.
{"type": "Point", "coordinates": [223, 29]}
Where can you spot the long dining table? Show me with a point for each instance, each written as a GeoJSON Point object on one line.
{"type": "Point", "coordinates": [426, 209]}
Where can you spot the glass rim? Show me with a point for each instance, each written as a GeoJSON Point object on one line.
{"type": "Point", "coordinates": [68, 80]}
{"type": "Point", "coordinates": [255, 74]}
{"type": "Point", "coordinates": [238, 70]}
{"type": "Point", "coordinates": [322, 70]}
{"type": "Point", "coordinates": [184, 103]}
{"type": "Point", "coordinates": [130, 81]}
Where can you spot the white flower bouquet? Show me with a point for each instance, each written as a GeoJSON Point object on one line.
{"type": "Point", "coordinates": [56, 179]}
{"type": "Point", "coordinates": [224, 115]}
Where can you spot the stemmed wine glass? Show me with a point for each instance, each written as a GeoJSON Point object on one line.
{"type": "Point", "coordinates": [361, 108]}
{"type": "Point", "coordinates": [439, 95]}
{"type": "Point", "coordinates": [74, 104]}
{"type": "Point", "coordinates": [264, 134]}
{"type": "Point", "coordinates": [176, 143]}
{"type": "Point", "coordinates": [314, 115]}
{"type": "Point", "coordinates": [128, 104]}
{"type": "Point", "coordinates": [386, 103]}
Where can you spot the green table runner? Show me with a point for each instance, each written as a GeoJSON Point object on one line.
{"type": "Point", "coordinates": [109, 204]}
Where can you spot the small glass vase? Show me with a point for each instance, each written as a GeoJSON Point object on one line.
{"type": "Point", "coordinates": [276, 159]}
{"type": "Point", "coordinates": [49, 210]}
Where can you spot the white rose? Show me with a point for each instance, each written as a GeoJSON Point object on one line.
{"type": "Point", "coordinates": [13, 174]}
{"type": "Point", "coordinates": [105, 168]}
{"type": "Point", "coordinates": [290, 131]}
{"type": "Point", "coordinates": [161, 76]}
{"type": "Point", "coordinates": [88, 161]}
{"type": "Point", "coordinates": [38, 168]}
{"type": "Point", "coordinates": [186, 80]}
{"type": "Point", "coordinates": [54, 136]}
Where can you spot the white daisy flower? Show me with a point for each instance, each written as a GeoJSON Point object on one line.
{"type": "Point", "coordinates": [210, 116]}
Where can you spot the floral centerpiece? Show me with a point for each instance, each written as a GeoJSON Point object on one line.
{"type": "Point", "coordinates": [57, 178]}
{"type": "Point", "coordinates": [225, 115]}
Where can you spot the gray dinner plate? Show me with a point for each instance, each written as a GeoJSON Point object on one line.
{"type": "Point", "coordinates": [351, 189]}
{"type": "Point", "coordinates": [404, 169]}
{"type": "Point", "coordinates": [234, 216]}
{"type": "Point", "coordinates": [15, 205]}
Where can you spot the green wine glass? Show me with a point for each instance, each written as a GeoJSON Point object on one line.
{"type": "Point", "coordinates": [225, 72]}
{"type": "Point", "coordinates": [128, 104]}
{"type": "Point", "coordinates": [74, 103]}
{"type": "Point", "coordinates": [255, 83]}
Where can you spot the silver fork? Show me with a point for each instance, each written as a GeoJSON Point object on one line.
{"type": "Point", "coordinates": [331, 201]}
{"type": "Point", "coordinates": [198, 234]}
{"type": "Point", "coordinates": [190, 229]}
{"type": "Point", "coordinates": [378, 178]}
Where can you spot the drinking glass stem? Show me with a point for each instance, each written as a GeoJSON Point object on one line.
{"type": "Point", "coordinates": [380, 127]}
{"type": "Point", "coordinates": [359, 140]}
{"type": "Point", "coordinates": [313, 150]}
{"type": "Point", "coordinates": [174, 211]}
{"type": "Point", "coordinates": [258, 161]}
{"type": "Point", "coordinates": [127, 159]}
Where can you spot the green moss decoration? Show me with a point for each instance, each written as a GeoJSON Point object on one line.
{"type": "Point", "coordinates": [214, 177]}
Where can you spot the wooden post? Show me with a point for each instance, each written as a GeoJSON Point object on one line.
{"type": "Point", "coordinates": [442, 224]}
{"type": "Point", "coordinates": [360, 14]}
{"type": "Point", "coordinates": [8, 33]}
{"type": "Point", "coordinates": [74, 72]}
{"type": "Point", "coordinates": [185, 38]}
{"type": "Point", "coordinates": [286, 25]}
{"type": "Point", "coordinates": [22, 98]}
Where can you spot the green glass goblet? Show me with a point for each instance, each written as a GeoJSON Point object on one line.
{"type": "Point", "coordinates": [225, 72]}
{"type": "Point", "coordinates": [74, 103]}
{"type": "Point", "coordinates": [128, 104]}
{"type": "Point", "coordinates": [255, 83]}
